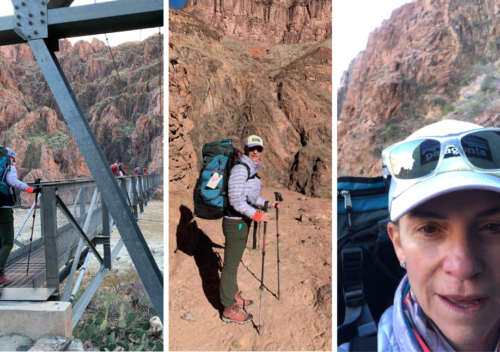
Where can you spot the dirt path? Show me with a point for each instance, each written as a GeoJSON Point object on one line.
{"type": "Point", "coordinates": [301, 320]}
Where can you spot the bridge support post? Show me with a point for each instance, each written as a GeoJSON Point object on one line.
{"type": "Point", "coordinates": [134, 196]}
{"type": "Point", "coordinates": [106, 233]}
{"type": "Point", "coordinates": [49, 229]}
{"type": "Point", "coordinates": [141, 194]}
{"type": "Point", "coordinates": [110, 191]}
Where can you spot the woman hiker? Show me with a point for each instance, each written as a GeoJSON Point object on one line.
{"type": "Point", "coordinates": [244, 189]}
{"type": "Point", "coordinates": [7, 215]}
{"type": "Point", "coordinates": [444, 206]}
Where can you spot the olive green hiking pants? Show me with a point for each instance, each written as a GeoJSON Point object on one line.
{"type": "Point", "coordinates": [6, 235]}
{"type": "Point", "coordinates": [236, 234]}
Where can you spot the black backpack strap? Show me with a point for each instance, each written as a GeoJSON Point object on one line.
{"type": "Point", "coordinates": [364, 344]}
{"type": "Point", "coordinates": [238, 162]}
{"type": "Point", "coordinates": [357, 311]}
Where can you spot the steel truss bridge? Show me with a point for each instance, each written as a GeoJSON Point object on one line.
{"type": "Point", "coordinates": [71, 223]}
{"type": "Point", "coordinates": [41, 23]}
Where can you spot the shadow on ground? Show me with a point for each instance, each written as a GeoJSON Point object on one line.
{"type": "Point", "coordinates": [194, 242]}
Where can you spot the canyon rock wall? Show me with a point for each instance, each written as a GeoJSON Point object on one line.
{"type": "Point", "coordinates": [124, 109]}
{"type": "Point", "coordinates": [266, 22]}
{"type": "Point", "coordinates": [410, 75]}
{"type": "Point", "coordinates": [221, 87]}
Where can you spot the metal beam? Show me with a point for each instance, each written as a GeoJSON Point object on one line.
{"type": "Point", "coordinates": [49, 228]}
{"type": "Point", "coordinates": [55, 4]}
{"type": "Point", "coordinates": [108, 17]}
{"type": "Point", "coordinates": [78, 229]}
{"type": "Point", "coordinates": [98, 165]}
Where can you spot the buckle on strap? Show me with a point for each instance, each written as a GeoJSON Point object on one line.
{"type": "Point", "coordinates": [353, 294]}
{"type": "Point", "coordinates": [351, 258]}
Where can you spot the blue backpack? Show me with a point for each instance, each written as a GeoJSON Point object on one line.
{"type": "Point", "coordinates": [211, 191]}
{"type": "Point", "coordinates": [368, 270]}
{"type": "Point", "coordinates": [5, 197]}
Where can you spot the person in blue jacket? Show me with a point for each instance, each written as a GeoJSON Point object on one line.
{"type": "Point", "coordinates": [445, 227]}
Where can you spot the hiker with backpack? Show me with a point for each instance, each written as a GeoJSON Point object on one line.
{"type": "Point", "coordinates": [121, 168]}
{"type": "Point", "coordinates": [443, 183]}
{"type": "Point", "coordinates": [8, 182]}
{"type": "Point", "coordinates": [244, 188]}
{"type": "Point", "coordinates": [114, 170]}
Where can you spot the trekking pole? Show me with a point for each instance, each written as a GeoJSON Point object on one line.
{"type": "Point", "coordinates": [278, 198]}
{"type": "Point", "coordinates": [37, 182]}
{"type": "Point", "coordinates": [254, 244]}
{"type": "Point", "coordinates": [262, 277]}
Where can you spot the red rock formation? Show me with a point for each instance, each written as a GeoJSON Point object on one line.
{"type": "Point", "coordinates": [31, 123]}
{"type": "Point", "coordinates": [223, 88]}
{"type": "Point", "coordinates": [413, 64]}
{"type": "Point", "coordinates": [266, 22]}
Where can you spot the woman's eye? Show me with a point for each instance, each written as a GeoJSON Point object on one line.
{"type": "Point", "coordinates": [492, 227]}
{"type": "Point", "coordinates": [428, 229]}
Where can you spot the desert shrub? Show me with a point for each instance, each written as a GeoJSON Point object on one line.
{"type": "Point", "coordinates": [448, 107]}
{"type": "Point", "coordinates": [434, 84]}
{"type": "Point", "coordinates": [483, 61]}
{"type": "Point", "coordinates": [405, 105]}
{"type": "Point", "coordinates": [433, 62]}
{"type": "Point", "coordinates": [376, 152]}
{"type": "Point", "coordinates": [425, 91]}
{"type": "Point", "coordinates": [439, 102]}
{"type": "Point", "coordinates": [487, 83]}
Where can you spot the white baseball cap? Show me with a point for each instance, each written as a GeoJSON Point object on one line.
{"type": "Point", "coordinates": [11, 153]}
{"type": "Point", "coordinates": [253, 141]}
{"type": "Point", "coordinates": [454, 174]}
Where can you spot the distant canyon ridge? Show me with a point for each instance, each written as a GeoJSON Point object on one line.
{"type": "Point", "coordinates": [239, 68]}
{"type": "Point", "coordinates": [125, 110]}
{"type": "Point", "coordinates": [433, 59]}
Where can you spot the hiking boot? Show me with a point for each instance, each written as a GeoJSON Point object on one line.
{"type": "Point", "coordinates": [236, 314]}
{"type": "Point", "coordinates": [243, 303]}
{"type": "Point", "coordinates": [4, 280]}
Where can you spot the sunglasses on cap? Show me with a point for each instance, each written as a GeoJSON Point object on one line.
{"type": "Point", "coordinates": [412, 161]}
{"type": "Point", "coordinates": [257, 148]}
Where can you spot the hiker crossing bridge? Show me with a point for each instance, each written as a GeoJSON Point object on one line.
{"type": "Point", "coordinates": [71, 221]}
{"type": "Point", "coordinates": [41, 24]}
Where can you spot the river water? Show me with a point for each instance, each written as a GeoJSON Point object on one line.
{"type": "Point", "coordinates": [151, 225]}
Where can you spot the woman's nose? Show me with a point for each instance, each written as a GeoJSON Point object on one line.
{"type": "Point", "coordinates": [462, 260]}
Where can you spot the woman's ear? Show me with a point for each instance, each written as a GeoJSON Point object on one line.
{"type": "Point", "coordinates": [395, 236]}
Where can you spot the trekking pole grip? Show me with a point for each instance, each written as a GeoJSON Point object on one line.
{"type": "Point", "coordinates": [266, 206]}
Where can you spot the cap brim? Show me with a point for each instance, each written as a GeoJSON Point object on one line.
{"type": "Point", "coordinates": [439, 185]}
{"type": "Point", "coordinates": [255, 145]}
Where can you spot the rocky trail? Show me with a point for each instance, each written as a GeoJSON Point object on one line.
{"type": "Point", "coordinates": [301, 320]}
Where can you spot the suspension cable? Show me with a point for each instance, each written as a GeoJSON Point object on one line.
{"type": "Point", "coordinates": [111, 52]}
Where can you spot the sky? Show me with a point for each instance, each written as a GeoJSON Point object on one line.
{"type": "Point", "coordinates": [114, 38]}
{"type": "Point", "coordinates": [353, 21]}
{"type": "Point", "coordinates": [177, 3]}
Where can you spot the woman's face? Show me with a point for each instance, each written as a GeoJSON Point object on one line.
{"type": "Point", "coordinates": [254, 152]}
{"type": "Point", "coordinates": [451, 246]}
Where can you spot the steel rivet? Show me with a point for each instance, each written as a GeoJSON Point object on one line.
{"type": "Point", "coordinates": [30, 23]}
{"type": "Point", "coordinates": [36, 33]}
{"type": "Point", "coordinates": [17, 7]}
{"type": "Point", "coordinates": [18, 24]}
{"type": "Point", "coordinates": [42, 13]}
{"type": "Point", "coordinates": [29, 37]}
{"type": "Point", "coordinates": [23, 3]}
{"type": "Point", "coordinates": [30, 15]}
{"type": "Point", "coordinates": [19, 17]}
{"type": "Point", "coordinates": [43, 2]}
{"type": "Point", "coordinates": [42, 21]}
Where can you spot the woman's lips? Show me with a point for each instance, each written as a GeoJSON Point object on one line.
{"type": "Point", "coordinates": [464, 304]}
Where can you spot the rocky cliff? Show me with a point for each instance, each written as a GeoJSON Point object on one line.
{"type": "Point", "coordinates": [266, 22]}
{"type": "Point", "coordinates": [411, 74]}
{"type": "Point", "coordinates": [124, 109]}
{"type": "Point", "coordinates": [222, 87]}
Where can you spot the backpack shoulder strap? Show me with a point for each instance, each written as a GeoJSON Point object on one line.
{"type": "Point", "coordinates": [239, 162]}
{"type": "Point", "coordinates": [364, 344]}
